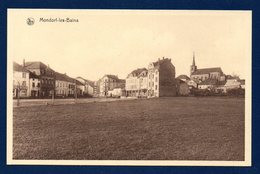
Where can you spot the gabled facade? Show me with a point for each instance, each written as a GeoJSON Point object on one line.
{"type": "Point", "coordinates": [46, 77]}
{"type": "Point", "coordinates": [88, 86]}
{"type": "Point", "coordinates": [161, 78]}
{"type": "Point", "coordinates": [205, 73]}
{"type": "Point", "coordinates": [64, 85]}
{"type": "Point", "coordinates": [136, 83]}
{"type": "Point", "coordinates": [108, 83]}
{"type": "Point", "coordinates": [21, 81]}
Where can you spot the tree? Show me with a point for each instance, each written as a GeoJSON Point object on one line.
{"type": "Point", "coordinates": [235, 75]}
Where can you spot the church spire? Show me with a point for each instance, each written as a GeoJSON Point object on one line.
{"type": "Point", "coordinates": [193, 67]}
{"type": "Point", "coordinates": [193, 62]}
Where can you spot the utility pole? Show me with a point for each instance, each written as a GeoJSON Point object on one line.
{"type": "Point", "coordinates": [52, 98]}
{"type": "Point", "coordinates": [18, 94]}
{"type": "Point", "coordinates": [75, 91]}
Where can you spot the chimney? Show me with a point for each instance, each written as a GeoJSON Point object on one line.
{"type": "Point", "coordinates": [163, 58]}
{"type": "Point", "coordinates": [23, 62]}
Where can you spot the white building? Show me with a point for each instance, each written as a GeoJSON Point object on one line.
{"type": "Point", "coordinates": [232, 83]}
{"type": "Point", "coordinates": [20, 81]}
{"type": "Point", "coordinates": [88, 86]}
{"type": "Point", "coordinates": [64, 85]}
{"type": "Point", "coordinates": [136, 83]}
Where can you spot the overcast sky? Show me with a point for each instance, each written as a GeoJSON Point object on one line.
{"type": "Point", "coordinates": [117, 42]}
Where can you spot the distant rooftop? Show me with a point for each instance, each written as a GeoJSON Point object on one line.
{"type": "Point", "coordinates": [91, 83]}
{"type": "Point", "coordinates": [137, 72]}
{"type": "Point", "coordinates": [183, 76]}
{"type": "Point", "coordinates": [207, 71]}
{"type": "Point", "coordinates": [19, 68]}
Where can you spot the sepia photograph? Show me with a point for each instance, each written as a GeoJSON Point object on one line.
{"type": "Point", "coordinates": [129, 87]}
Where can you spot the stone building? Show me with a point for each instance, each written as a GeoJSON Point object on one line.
{"type": "Point", "coordinates": [161, 78]}
{"type": "Point", "coordinates": [203, 74]}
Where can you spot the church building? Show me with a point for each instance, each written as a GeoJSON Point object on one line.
{"type": "Point", "coordinates": [200, 75]}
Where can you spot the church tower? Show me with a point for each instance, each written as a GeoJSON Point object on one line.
{"type": "Point", "coordinates": [193, 67]}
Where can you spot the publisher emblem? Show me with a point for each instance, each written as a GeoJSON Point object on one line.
{"type": "Point", "coordinates": [30, 21]}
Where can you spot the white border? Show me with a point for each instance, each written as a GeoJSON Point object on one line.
{"type": "Point", "coordinates": [248, 117]}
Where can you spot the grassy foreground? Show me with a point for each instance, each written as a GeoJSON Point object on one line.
{"type": "Point", "coordinates": [181, 128]}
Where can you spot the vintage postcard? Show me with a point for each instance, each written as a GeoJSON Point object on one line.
{"type": "Point", "coordinates": [129, 87]}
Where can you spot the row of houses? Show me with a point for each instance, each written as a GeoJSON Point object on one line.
{"type": "Point", "coordinates": [158, 80]}
{"type": "Point", "coordinates": [37, 80]}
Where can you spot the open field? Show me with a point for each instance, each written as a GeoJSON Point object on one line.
{"type": "Point", "coordinates": [181, 128]}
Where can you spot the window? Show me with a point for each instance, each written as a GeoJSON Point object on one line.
{"type": "Point", "coordinates": [155, 87]}
{"type": "Point", "coordinates": [24, 83]}
{"type": "Point", "coordinates": [38, 84]}
{"type": "Point", "coordinates": [33, 84]}
{"type": "Point", "coordinates": [155, 79]}
{"type": "Point", "coordinates": [24, 75]}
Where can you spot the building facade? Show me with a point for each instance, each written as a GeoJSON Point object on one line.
{"type": "Point", "coordinates": [108, 83]}
{"type": "Point", "coordinates": [64, 85]}
{"type": "Point", "coordinates": [46, 77]}
{"type": "Point", "coordinates": [136, 83]}
{"type": "Point", "coordinates": [21, 81]}
{"type": "Point", "coordinates": [88, 86]}
{"type": "Point", "coordinates": [35, 85]}
{"type": "Point", "coordinates": [161, 78]}
{"type": "Point", "coordinates": [200, 75]}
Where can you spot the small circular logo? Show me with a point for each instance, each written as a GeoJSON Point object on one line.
{"type": "Point", "coordinates": [30, 21]}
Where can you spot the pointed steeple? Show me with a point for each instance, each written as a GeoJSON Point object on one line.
{"type": "Point", "coordinates": [193, 67]}
{"type": "Point", "coordinates": [193, 62]}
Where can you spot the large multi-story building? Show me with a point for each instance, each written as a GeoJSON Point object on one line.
{"type": "Point", "coordinates": [109, 82]}
{"type": "Point", "coordinates": [46, 77]}
{"type": "Point", "coordinates": [136, 82]}
{"type": "Point", "coordinates": [161, 78]}
{"type": "Point", "coordinates": [21, 81]}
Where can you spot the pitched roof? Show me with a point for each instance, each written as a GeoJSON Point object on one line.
{"type": "Point", "coordinates": [36, 65]}
{"type": "Point", "coordinates": [209, 82]}
{"type": "Point", "coordinates": [33, 75]}
{"type": "Point", "coordinates": [63, 77]}
{"type": "Point", "coordinates": [59, 76]}
{"type": "Point", "coordinates": [20, 68]}
{"type": "Point", "coordinates": [137, 72]}
{"type": "Point", "coordinates": [79, 83]}
{"type": "Point", "coordinates": [114, 77]}
{"type": "Point", "coordinates": [179, 81]}
{"type": "Point", "coordinates": [111, 76]}
{"type": "Point", "coordinates": [183, 76]}
{"type": "Point", "coordinates": [242, 81]}
{"type": "Point", "coordinates": [91, 83]}
{"type": "Point", "coordinates": [207, 71]}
